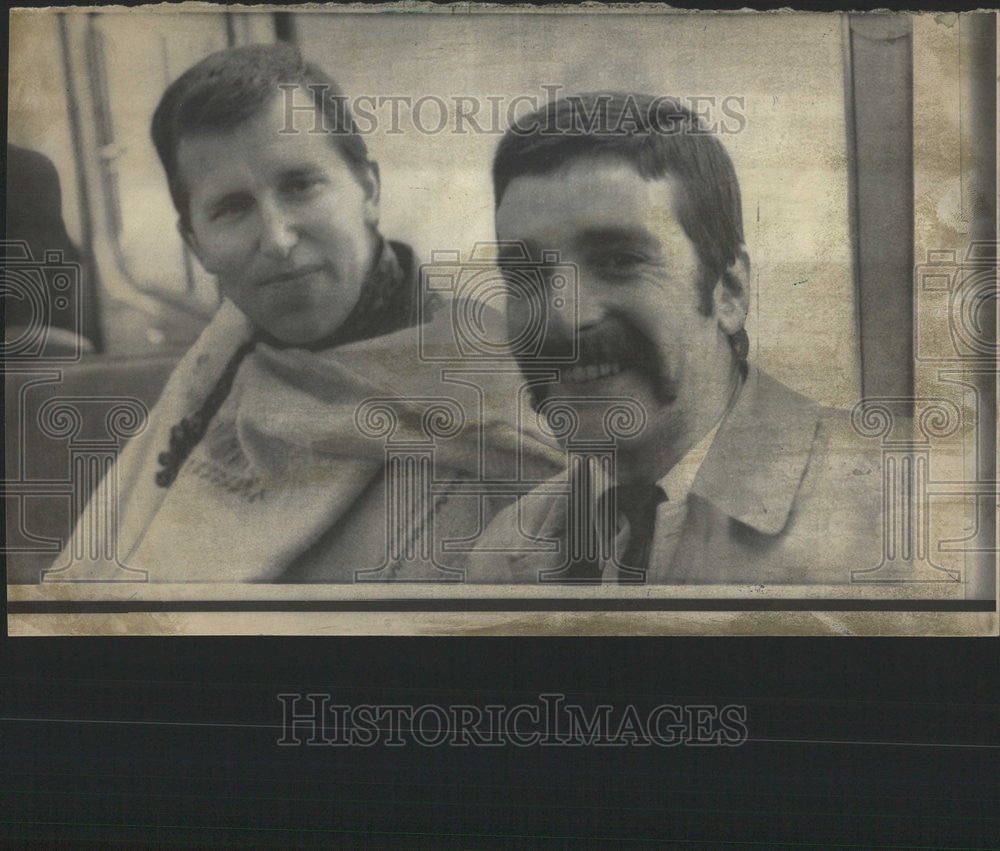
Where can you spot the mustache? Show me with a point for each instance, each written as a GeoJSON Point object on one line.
{"type": "Point", "coordinates": [611, 341]}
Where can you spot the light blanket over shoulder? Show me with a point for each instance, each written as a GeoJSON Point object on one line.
{"type": "Point", "coordinates": [294, 451]}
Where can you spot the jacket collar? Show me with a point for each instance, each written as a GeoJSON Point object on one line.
{"type": "Point", "coordinates": [754, 468]}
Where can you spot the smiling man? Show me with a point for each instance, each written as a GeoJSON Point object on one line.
{"type": "Point", "coordinates": [735, 478]}
{"type": "Point", "coordinates": [286, 221]}
{"type": "Point", "coordinates": [284, 216]}
{"type": "Point", "coordinates": [253, 465]}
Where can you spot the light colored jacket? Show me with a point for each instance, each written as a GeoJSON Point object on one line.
{"type": "Point", "coordinates": [788, 493]}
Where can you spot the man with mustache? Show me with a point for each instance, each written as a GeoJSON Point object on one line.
{"type": "Point", "coordinates": [735, 478]}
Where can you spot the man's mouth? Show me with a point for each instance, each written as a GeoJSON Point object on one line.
{"type": "Point", "coordinates": [591, 372]}
{"type": "Point", "coordinates": [602, 351]}
{"type": "Point", "coordinates": [292, 275]}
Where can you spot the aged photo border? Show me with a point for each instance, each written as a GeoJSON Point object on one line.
{"type": "Point", "coordinates": [949, 288]}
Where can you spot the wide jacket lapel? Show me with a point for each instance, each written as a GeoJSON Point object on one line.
{"type": "Point", "coordinates": [754, 468]}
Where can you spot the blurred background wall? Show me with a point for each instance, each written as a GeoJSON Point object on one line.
{"type": "Point", "coordinates": [783, 78]}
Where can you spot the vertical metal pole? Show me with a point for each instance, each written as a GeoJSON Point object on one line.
{"type": "Point", "coordinates": [92, 283]}
{"type": "Point", "coordinates": [879, 83]}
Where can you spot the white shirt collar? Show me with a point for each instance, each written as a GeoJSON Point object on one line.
{"type": "Point", "coordinates": [677, 482]}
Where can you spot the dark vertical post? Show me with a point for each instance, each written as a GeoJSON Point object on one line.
{"type": "Point", "coordinates": [90, 284]}
{"type": "Point", "coordinates": [879, 100]}
{"type": "Point", "coordinates": [284, 27]}
{"type": "Point", "coordinates": [230, 29]}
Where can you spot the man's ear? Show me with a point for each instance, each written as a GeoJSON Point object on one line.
{"type": "Point", "coordinates": [372, 185]}
{"type": "Point", "coordinates": [731, 298]}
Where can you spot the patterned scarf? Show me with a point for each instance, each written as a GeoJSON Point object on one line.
{"type": "Point", "coordinates": [388, 303]}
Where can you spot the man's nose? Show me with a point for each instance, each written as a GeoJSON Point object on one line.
{"type": "Point", "coordinates": [574, 306]}
{"type": "Point", "coordinates": [279, 230]}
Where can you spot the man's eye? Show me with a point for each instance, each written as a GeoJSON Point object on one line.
{"type": "Point", "coordinates": [301, 185]}
{"type": "Point", "coordinates": [622, 261]}
{"type": "Point", "coordinates": [231, 208]}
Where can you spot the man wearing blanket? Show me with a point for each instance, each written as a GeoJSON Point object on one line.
{"type": "Point", "coordinates": [265, 458]}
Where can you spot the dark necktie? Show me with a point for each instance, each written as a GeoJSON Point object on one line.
{"type": "Point", "coordinates": [637, 504]}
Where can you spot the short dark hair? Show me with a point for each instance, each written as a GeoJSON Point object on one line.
{"type": "Point", "coordinates": [230, 87]}
{"type": "Point", "coordinates": [660, 138]}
